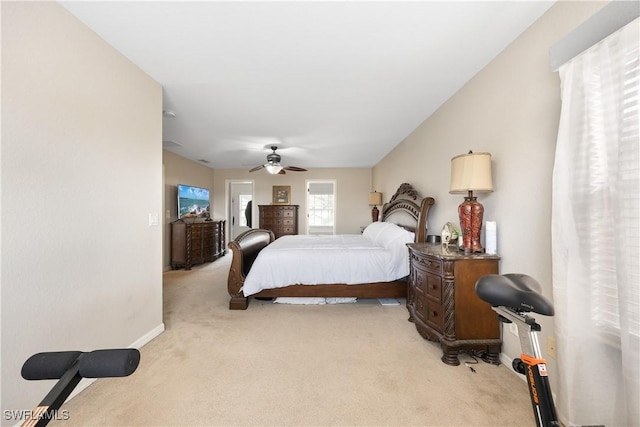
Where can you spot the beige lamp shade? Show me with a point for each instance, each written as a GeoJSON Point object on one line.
{"type": "Point", "coordinates": [375, 198]}
{"type": "Point", "coordinates": [471, 172]}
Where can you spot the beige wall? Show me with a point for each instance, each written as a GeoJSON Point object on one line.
{"type": "Point", "coordinates": [510, 109]}
{"type": "Point", "coordinates": [81, 173]}
{"type": "Point", "coordinates": [352, 192]}
{"type": "Point", "coordinates": [81, 267]}
{"type": "Point", "coordinates": [178, 170]}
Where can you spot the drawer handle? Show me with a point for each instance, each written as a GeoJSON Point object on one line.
{"type": "Point", "coordinates": [434, 313]}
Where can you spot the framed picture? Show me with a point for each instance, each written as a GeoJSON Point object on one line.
{"type": "Point", "coordinates": [281, 195]}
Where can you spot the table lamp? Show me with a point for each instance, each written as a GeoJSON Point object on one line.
{"type": "Point", "coordinates": [375, 199]}
{"type": "Point", "coordinates": [471, 172]}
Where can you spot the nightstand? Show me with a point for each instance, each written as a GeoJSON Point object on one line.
{"type": "Point", "coordinates": [443, 304]}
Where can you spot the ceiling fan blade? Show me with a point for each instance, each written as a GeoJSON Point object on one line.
{"type": "Point", "coordinates": [282, 172]}
{"type": "Point", "coordinates": [295, 169]}
{"type": "Point", "coordinates": [257, 168]}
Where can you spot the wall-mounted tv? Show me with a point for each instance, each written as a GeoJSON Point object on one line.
{"type": "Point", "coordinates": [193, 202]}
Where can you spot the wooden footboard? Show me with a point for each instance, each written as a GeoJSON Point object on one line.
{"type": "Point", "coordinates": [395, 289]}
{"type": "Point", "coordinates": [245, 248]}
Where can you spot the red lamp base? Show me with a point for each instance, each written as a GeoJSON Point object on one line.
{"type": "Point", "coordinates": [374, 214]}
{"type": "Point", "coordinates": [471, 212]}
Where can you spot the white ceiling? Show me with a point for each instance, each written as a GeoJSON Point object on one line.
{"type": "Point", "coordinates": [334, 84]}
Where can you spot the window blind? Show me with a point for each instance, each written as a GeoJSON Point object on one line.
{"type": "Point", "coordinates": [618, 289]}
{"type": "Point", "coordinates": [321, 207]}
{"type": "Point", "coordinates": [629, 185]}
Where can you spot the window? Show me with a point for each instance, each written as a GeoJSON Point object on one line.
{"type": "Point", "coordinates": [596, 233]}
{"type": "Point", "coordinates": [623, 172]}
{"type": "Point", "coordinates": [320, 207]}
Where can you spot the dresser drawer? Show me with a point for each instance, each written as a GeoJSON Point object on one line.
{"type": "Point", "coordinates": [196, 252]}
{"type": "Point", "coordinates": [196, 233]}
{"type": "Point", "coordinates": [420, 305]}
{"type": "Point", "coordinates": [418, 279]}
{"type": "Point", "coordinates": [287, 213]}
{"type": "Point", "coordinates": [434, 316]}
{"type": "Point", "coordinates": [429, 312]}
{"type": "Point", "coordinates": [282, 222]}
{"type": "Point", "coordinates": [281, 212]}
{"type": "Point", "coordinates": [433, 287]}
{"type": "Point", "coordinates": [433, 265]}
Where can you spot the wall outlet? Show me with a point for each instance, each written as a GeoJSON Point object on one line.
{"type": "Point", "coordinates": [551, 347]}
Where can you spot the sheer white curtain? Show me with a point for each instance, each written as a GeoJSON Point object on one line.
{"type": "Point", "coordinates": [596, 234]}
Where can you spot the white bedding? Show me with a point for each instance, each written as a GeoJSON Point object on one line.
{"type": "Point", "coordinates": [378, 255]}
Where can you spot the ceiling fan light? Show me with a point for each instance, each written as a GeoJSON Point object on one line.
{"type": "Point", "coordinates": [273, 168]}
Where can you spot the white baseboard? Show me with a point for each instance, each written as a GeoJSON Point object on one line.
{"type": "Point", "coordinates": [146, 338]}
{"type": "Point", "coordinates": [508, 362]}
{"type": "Point", "coordinates": [139, 343]}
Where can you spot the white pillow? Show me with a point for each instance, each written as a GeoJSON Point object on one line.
{"type": "Point", "coordinates": [394, 239]}
{"type": "Point", "coordinates": [388, 235]}
{"type": "Point", "coordinates": [373, 230]}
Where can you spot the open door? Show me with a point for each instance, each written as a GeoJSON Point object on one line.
{"type": "Point", "coordinates": [241, 207]}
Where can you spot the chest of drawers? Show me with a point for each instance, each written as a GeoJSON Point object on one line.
{"type": "Point", "coordinates": [443, 305]}
{"type": "Point", "coordinates": [196, 242]}
{"type": "Point", "coordinates": [281, 219]}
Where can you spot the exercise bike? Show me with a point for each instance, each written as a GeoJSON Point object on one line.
{"type": "Point", "coordinates": [512, 296]}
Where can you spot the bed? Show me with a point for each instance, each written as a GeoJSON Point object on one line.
{"type": "Point", "coordinates": [371, 265]}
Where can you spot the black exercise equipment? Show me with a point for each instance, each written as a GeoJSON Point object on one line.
{"type": "Point", "coordinates": [69, 367]}
{"type": "Point", "coordinates": [512, 296]}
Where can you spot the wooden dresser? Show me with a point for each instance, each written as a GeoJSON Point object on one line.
{"type": "Point", "coordinates": [281, 219]}
{"type": "Point", "coordinates": [196, 242]}
{"type": "Point", "coordinates": [443, 304]}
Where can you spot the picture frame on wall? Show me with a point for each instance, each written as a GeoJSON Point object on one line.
{"type": "Point", "coordinates": [281, 195]}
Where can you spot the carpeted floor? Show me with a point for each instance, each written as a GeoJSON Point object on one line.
{"type": "Point", "coordinates": [275, 364]}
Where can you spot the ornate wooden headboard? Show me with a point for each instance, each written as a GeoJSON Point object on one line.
{"type": "Point", "coordinates": [407, 210]}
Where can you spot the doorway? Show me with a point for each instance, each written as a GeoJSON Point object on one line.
{"type": "Point", "coordinates": [241, 209]}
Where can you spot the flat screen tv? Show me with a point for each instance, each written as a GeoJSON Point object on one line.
{"type": "Point", "coordinates": [193, 202]}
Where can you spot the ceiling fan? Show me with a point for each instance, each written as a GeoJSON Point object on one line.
{"type": "Point", "coordinates": [273, 165]}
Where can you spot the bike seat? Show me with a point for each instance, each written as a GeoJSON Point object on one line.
{"type": "Point", "coordinates": [517, 291]}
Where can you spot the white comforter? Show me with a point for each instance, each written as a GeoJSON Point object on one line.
{"type": "Point", "coordinates": [380, 255]}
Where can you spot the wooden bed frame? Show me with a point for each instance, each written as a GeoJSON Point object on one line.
{"type": "Point", "coordinates": [403, 209]}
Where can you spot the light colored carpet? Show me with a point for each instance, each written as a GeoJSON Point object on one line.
{"type": "Point", "coordinates": [276, 364]}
